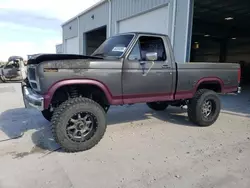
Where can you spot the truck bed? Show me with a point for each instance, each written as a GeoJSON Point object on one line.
{"type": "Point", "coordinates": [190, 75]}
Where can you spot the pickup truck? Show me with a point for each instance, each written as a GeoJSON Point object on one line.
{"type": "Point", "coordinates": [74, 92]}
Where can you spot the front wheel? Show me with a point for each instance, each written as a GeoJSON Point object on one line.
{"type": "Point", "coordinates": [78, 124]}
{"type": "Point", "coordinates": [158, 106]}
{"type": "Point", "coordinates": [204, 108]}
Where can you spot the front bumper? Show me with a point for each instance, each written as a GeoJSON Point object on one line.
{"type": "Point", "coordinates": [32, 99]}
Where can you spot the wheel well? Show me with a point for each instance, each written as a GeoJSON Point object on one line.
{"type": "Point", "coordinates": [79, 90]}
{"type": "Point", "coordinates": [211, 85]}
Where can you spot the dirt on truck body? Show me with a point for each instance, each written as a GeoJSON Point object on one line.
{"type": "Point", "coordinates": [74, 92]}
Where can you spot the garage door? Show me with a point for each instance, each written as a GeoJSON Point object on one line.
{"type": "Point", "coordinates": [72, 46]}
{"type": "Point", "coordinates": [155, 21]}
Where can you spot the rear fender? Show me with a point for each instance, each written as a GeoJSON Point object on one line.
{"type": "Point", "coordinates": [208, 79]}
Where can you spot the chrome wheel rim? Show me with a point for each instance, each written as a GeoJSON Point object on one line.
{"type": "Point", "coordinates": [207, 108]}
{"type": "Point", "coordinates": [81, 127]}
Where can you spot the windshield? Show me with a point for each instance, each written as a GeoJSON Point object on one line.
{"type": "Point", "coordinates": [114, 46]}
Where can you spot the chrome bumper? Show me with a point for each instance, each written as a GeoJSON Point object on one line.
{"type": "Point", "coordinates": [32, 99]}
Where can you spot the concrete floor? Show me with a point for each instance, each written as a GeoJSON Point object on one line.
{"type": "Point", "coordinates": [140, 149]}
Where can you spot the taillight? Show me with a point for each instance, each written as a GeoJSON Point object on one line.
{"type": "Point", "coordinates": [239, 75]}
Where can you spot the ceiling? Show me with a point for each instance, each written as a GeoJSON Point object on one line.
{"type": "Point", "coordinates": [209, 18]}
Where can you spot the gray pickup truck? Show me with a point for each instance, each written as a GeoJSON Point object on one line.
{"type": "Point", "coordinates": [74, 92]}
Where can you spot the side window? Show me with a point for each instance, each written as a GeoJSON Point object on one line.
{"type": "Point", "coordinates": [135, 53]}
{"type": "Point", "coordinates": [152, 44]}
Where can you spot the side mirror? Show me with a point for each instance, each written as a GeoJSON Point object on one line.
{"type": "Point", "coordinates": [152, 56]}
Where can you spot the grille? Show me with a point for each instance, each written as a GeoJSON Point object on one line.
{"type": "Point", "coordinates": [32, 73]}
{"type": "Point", "coordinates": [34, 85]}
{"type": "Point", "coordinates": [33, 79]}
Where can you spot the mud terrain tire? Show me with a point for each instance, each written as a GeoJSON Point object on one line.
{"type": "Point", "coordinates": [204, 108]}
{"type": "Point", "coordinates": [78, 124]}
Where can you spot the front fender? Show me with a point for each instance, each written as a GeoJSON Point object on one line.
{"type": "Point", "coordinates": [51, 91]}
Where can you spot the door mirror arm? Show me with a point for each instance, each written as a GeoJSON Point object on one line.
{"type": "Point", "coordinates": [143, 63]}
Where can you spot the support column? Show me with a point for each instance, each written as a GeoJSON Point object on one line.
{"type": "Point", "coordinates": [84, 44]}
{"type": "Point", "coordinates": [183, 30]}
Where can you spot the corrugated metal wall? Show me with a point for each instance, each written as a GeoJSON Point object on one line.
{"type": "Point", "coordinates": [126, 8]}
{"type": "Point", "coordinates": [70, 30]}
{"type": "Point", "coordinates": [179, 32]}
{"type": "Point", "coordinates": [181, 35]}
{"type": "Point", "coordinates": [101, 18]}
{"type": "Point", "coordinates": [87, 23]}
{"type": "Point", "coordinates": [59, 48]}
{"type": "Point", "coordinates": [122, 9]}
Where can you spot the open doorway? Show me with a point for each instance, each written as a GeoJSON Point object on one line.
{"type": "Point", "coordinates": [221, 33]}
{"type": "Point", "coordinates": [95, 38]}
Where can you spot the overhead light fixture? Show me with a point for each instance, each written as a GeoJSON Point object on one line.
{"type": "Point", "coordinates": [196, 42]}
{"type": "Point", "coordinates": [206, 35]}
{"type": "Point", "coordinates": [234, 38]}
{"type": "Point", "coordinates": [229, 18]}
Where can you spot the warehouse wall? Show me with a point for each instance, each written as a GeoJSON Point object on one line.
{"type": "Point", "coordinates": [59, 48]}
{"type": "Point", "coordinates": [122, 9]}
{"type": "Point", "coordinates": [101, 18]}
{"type": "Point", "coordinates": [70, 30]}
{"type": "Point", "coordinates": [179, 21]}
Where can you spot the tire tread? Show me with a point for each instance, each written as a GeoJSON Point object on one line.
{"type": "Point", "coordinates": [192, 107]}
{"type": "Point", "coordinates": [56, 119]}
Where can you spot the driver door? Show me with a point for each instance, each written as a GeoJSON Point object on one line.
{"type": "Point", "coordinates": [144, 80]}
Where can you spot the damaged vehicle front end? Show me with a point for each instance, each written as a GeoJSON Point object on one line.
{"type": "Point", "coordinates": [13, 70]}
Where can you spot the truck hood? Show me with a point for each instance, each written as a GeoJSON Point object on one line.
{"type": "Point", "coordinates": [39, 58]}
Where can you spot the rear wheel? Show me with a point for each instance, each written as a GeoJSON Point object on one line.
{"type": "Point", "coordinates": [78, 124]}
{"type": "Point", "coordinates": [158, 106]}
{"type": "Point", "coordinates": [204, 108]}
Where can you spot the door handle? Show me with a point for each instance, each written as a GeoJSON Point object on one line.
{"type": "Point", "coordinates": [165, 66]}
